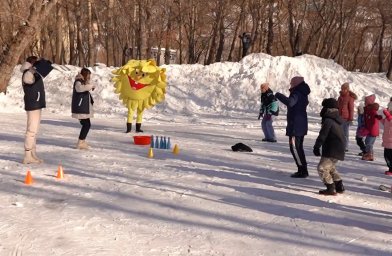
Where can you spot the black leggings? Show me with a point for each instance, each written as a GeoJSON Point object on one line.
{"type": "Point", "coordinates": [388, 157]}
{"type": "Point", "coordinates": [86, 124]}
{"type": "Point", "coordinates": [360, 143]}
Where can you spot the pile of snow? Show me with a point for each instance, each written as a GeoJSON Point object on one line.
{"type": "Point", "coordinates": [220, 88]}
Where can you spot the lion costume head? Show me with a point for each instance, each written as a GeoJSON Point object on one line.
{"type": "Point", "coordinates": [140, 83]}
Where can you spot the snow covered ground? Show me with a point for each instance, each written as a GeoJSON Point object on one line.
{"type": "Point", "coordinates": [207, 200]}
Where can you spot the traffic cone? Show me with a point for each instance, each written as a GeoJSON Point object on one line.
{"type": "Point", "coordinates": [150, 153]}
{"type": "Point", "coordinates": [60, 172]}
{"type": "Point", "coordinates": [29, 179]}
{"type": "Point", "coordinates": [176, 149]}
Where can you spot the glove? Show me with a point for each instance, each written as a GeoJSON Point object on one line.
{"type": "Point", "coordinates": [316, 151]}
{"type": "Point", "coordinates": [260, 116]}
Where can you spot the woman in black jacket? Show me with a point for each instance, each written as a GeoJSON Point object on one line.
{"type": "Point", "coordinates": [82, 105]}
{"type": "Point", "coordinates": [34, 101]}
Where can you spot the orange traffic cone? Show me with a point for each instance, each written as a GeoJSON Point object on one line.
{"type": "Point", "coordinates": [150, 153]}
{"type": "Point", "coordinates": [176, 149]}
{"type": "Point", "coordinates": [60, 172]}
{"type": "Point", "coordinates": [29, 179]}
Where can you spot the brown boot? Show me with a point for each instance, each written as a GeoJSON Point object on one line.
{"type": "Point", "coordinates": [29, 159]}
{"type": "Point", "coordinates": [82, 144]}
{"type": "Point", "coordinates": [368, 157]}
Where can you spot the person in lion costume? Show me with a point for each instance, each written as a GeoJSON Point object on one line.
{"type": "Point", "coordinates": [140, 84]}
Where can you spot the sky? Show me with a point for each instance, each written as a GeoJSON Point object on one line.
{"type": "Point", "coordinates": [206, 200]}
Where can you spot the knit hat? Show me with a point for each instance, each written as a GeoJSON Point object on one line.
{"type": "Point", "coordinates": [370, 99]}
{"type": "Point", "coordinates": [330, 103]}
{"type": "Point", "coordinates": [296, 81]}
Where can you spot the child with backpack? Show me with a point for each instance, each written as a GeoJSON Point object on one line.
{"type": "Point", "coordinates": [269, 107]}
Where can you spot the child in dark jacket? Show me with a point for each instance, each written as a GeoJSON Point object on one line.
{"type": "Point", "coordinates": [333, 142]}
{"type": "Point", "coordinates": [360, 126]}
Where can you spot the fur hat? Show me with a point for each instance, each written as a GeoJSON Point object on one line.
{"type": "Point", "coordinates": [296, 81]}
{"type": "Point", "coordinates": [330, 103]}
{"type": "Point", "coordinates": [370, 99]}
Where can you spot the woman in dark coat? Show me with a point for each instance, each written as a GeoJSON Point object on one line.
{"type": "Point", "coordinates": [297, 122]}
{"type": "Point", "coordinates": [82, 105]}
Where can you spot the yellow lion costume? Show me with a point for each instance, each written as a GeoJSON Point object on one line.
{"type": "Point", "coordinates": [141, 84]}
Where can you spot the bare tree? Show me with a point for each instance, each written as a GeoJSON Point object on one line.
{"type": "Point", "coordinates": [24, 36]}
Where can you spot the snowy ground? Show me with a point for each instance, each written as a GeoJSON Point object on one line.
{"type": "Point", "coordinates": [205, 201]}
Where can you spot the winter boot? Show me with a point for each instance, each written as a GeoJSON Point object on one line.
{"type": "Point", "coordinates": [82, 144]}
{"type": "Point", "coordinates": [330, 191]}
{"type": "Point", "coordinates": [29, 159]}
{"type": "Point", "coordinates": [302, 173]}
{"type": "Point", "coordinates": [34, 155]}
{"type": "Point", "coordinates": [339, 186]}
{"type": "Point", "coordinates": [138, 126]}
{"type": "Point", "coordinates": [389, 173]}
{"type": "Point", "coordinates": [368, 157]}
{"type": "Point", "coordinates": [129, 127]}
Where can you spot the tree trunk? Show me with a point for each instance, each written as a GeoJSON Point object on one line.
{"type": "Point", "coordinates": [389, 73]}
{"type": "Point", "coordinates": [139, 39]}
{"type": "Point", "coordinates": [59, 35]}
{"type": "Point", "coordinates": [24, 36]}
{"type": "Point", "coordinates": [148, 29]}
{"type": "Point", "coordinates": [180, 25]}
{"type": "Point", "coordinates": [71, 33]}
{"type": "Point", "coordinates": [221, 42]}
{"type": "Point", "coordinates": [79, 35]}
{"type": "Point", "coordinates": [237, 27]}
{"type": "Point", "coordinates": [380, 44]}
{"type": "Point", "coordinates": [110, 34]}
{"type": "Point", "coordinates": [91, 48]}
{"type": "Point", "coordinates": [168, 37]}
{"type": "Point", "coordinates": [192, 58]}
{"type": "Point", "coordinates": [270, 32]}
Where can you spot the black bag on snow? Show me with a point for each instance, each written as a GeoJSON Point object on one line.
{"type": "Point", "coordinates": [241, 147]}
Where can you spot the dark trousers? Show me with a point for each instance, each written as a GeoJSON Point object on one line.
{"type": "Point", "coordinates": [388, 158]}
{"type": "Point", "coordinates": [86, 124]}
{"type": "Point", "coordinates": [360, 143]}
{"type": "Point", "coordinates": [297, 150]}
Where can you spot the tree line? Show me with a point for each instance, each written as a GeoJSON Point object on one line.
{"type": "Point", "coordinates": [354, 33]}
